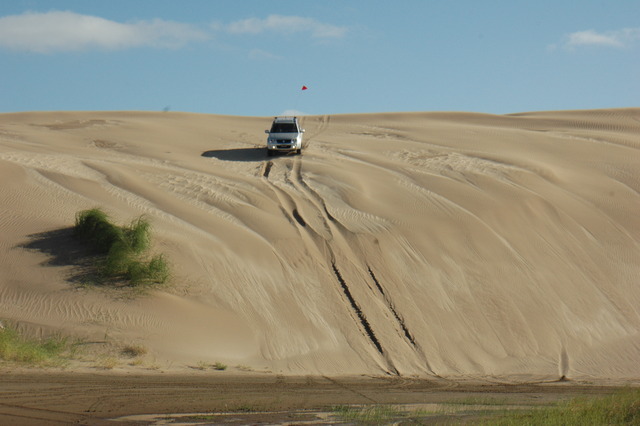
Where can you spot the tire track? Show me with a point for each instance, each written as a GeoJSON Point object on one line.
{"type": "Point", "coordinates": [288, 204]}
{"type": "Point", "coordinates": [389, 304]}
{"type": "Point", "coordinates": [267, 169]}
{"type": "Point", "coordinates": [286, 201]}
{"type": "Point", "coordinates": [296, 187]}
{"type": "Point", "coordinates": [401, 323]}
{"type": "Point", "coordinates": [336, 229]}
{"type": "Point", "coordinates": [299, 182]}
{"type": "Point", "coordinates": [332, 223]}
{"type": "Point", "coordinates": [356, 308]}
{"type": "Point", "coordinates": [318, 223]}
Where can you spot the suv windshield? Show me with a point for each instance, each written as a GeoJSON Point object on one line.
{"type": "Point", "coordinates": [284, 128]}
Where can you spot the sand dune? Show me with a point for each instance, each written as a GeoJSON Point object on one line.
{"type": "Point", "coordinates": [449, 244]}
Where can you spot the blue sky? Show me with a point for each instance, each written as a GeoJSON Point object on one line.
{"type": "Point", "coordinates": [251, 57]}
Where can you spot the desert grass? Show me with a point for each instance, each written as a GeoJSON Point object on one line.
{"type": "Point", "coordinates": [134, 351]}
{"type": "Point", "coordinates": [620, 408]}
{"type": "Point", "coordinates": [373, 414]}
{"type": "Point", "coordinates": [122, 248]}
{"type": "Point", "coordinates": [107, 362]}
{"type": "Point", "coordinates": [204, 365]}
{"type": "Point", "coordinates": [155, 270]}
{"type": "Point", "coordinates": [219, 366]}
{"type": "Point", "coordinates": [53, 350]}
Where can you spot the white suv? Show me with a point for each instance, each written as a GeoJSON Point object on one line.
{"type": "Point", "coordinates": [285, 136]}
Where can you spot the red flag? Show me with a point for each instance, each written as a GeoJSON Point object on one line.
{"type": "Point", "coordinates": [304, 87]}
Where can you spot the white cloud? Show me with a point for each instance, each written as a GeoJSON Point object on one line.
{"type": "Point", "coordinates": [592, 38]}
{"type": "Point", "coordinates": [68, 31]}
{"type": "Point", "coordinates": [287, 25]}
{"type": "Point", "coordinates": [620, 38]}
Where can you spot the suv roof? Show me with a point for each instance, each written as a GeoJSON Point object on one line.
{"type": "Point", "coordinates": [285, 119]}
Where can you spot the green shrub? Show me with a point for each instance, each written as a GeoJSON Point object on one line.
{"type": "Point", "coordinates": [123, 248]}
{"type": "Point", "coordinates": [156, 270]}
{"type": "Point", "coordinates": [118, 259]}
{"type": "Point", "coordinates": [93, 226]}
{"type": "Point", "coordinates": [138, 235]}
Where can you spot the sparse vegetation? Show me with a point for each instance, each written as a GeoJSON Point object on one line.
{"type": "Point", "coordinates": [372, 414]}
{"type": "Point", "coordinates": [134, 351]}
{"type": "Point", "coordinates": [204, 365]}
{"type": "Point", "coordinates": [621, 408]}
{"type": "Point", "coordinates": [201, 365]}
{"type": "Point", "coordinates": [242, 367]}
{"type": "Point", "coordinates": [107, 363]}
{"type": "Point", "coordinates": [123, 248]}
{"type": "Point", "coordinates": [219, 366]}
{"type": "Point", "coordinates": [618, 409]}
{"type": "Point", "coordinates": [49, 351]}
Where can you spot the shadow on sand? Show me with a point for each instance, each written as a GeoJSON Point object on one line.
{"type": "Point", "coordinates": [64, 249]}
{"type": "Point", "coordinates": [242, 154]}
{"type": "Point", "coordinates": [238, 154]}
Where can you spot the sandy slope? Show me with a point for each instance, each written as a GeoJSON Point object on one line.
{"type": "Point", "coordinates": [417, 243]}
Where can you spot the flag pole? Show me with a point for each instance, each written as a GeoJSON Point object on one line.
{"type": "Point", "coordinates": [297, 101]}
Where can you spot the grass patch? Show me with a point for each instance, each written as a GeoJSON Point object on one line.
{"type": "Point", "coordinates": [373, 414]}
{"type": "Point", "coordinates": [49, 351]}
{"type": "Point", "coordinates": [107, 363]}
{"type": "Point", "coordinates": [219, 366]}
{"type": "Point", "coordinates": [621, 408]}
{"type": "Point", "coordinates": [122, 248]}
{"type": "Point", "coordinates": [204, 365]}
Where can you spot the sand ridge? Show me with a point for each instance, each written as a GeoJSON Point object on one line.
{"type": "Point", "coordinates": [448, 244]}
